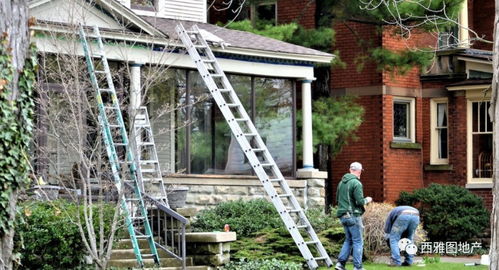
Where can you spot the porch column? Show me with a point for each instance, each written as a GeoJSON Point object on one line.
{"type": "Point", "coordinates": [306, 101]}
{"type": "Point", "coordinates": [135, 85]}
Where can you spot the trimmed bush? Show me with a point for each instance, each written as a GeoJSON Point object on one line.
{"type": "Point", "coordinates": [244, 217]}
{"type": "Point", "coordinates": [48, 236]}
{"type": "Point", "coordinates": [448, 212]}
{"type": "Point", "coordinates": [374, 223]}
{"type": "Point", "coordinates": [271, 264]}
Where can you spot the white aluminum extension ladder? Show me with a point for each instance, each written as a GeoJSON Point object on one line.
{"type": "Point", "coordinates": [146, 155]}
{"type": "Point", "coordinates": [253, 147]}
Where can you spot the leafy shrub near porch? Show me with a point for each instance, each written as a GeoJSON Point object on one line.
{"type": "Point", "coordinates": [261, 233]}
{"type": "Point", "coordinates": [449, 212]}
{"type": "Point", "coordinates": [272, 264]}
{"type": "Point", "coordinates": [243, 217]}
{"type": "Point", "coordinates": [48, 235]}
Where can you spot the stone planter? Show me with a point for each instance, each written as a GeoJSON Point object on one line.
{"type": "Point", "coordinates": [177, 196]}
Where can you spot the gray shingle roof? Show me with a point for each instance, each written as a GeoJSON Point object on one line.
{"type": "Point", "coordinates": [237, 39]}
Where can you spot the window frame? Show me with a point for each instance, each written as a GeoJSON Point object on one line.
{"type": "Point", "coordinates": [434, 138]}
{"type": "Point", "coordinates": [411, 125]}
{"type": "Point", "coordinates": [469, 143]}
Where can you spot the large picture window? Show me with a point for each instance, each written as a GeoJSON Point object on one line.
{"type": "Point", "coordinates": [480, 141]}
{"type": "Point", "coordinates": [203, 141]}
{"type": "Point", "coordinates": [439, 131]}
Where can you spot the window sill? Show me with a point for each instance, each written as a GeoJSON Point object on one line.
{"type": "Point", "coordinates": [479, 185]}
{"type": "Point", "coordinates": [439, 167]}
{"type": "Point", "coordinates": [405, 145]}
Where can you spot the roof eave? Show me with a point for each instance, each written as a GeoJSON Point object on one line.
{"type": "Point", "coordinates": [130, 16]}
{"type": "Point", "coordinates": [277, 55]}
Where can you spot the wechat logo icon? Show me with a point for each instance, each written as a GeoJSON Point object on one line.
{"type": "Point", "coordinates": [406, 245]}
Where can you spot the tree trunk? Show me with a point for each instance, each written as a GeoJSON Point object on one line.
{"type": "Point", "coordinates": [13, 28]}
{"type": "Point", "coordinates": [494, 218]}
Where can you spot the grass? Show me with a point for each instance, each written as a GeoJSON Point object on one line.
{"type": "Point", "coordinates": [431, 266]}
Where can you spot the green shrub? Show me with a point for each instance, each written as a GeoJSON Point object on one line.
{"type": "Point", "coordinates": [449, 212]}
{"type": "Point", "coordinates": [48, 237]}
{"type": "Point", "coordinates": [271, 264]}
{"type": "Point", "coordinates": [243, 217]}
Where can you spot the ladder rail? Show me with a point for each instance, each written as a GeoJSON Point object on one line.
{"type": "Point", "coordinates": [248, 150]}
{"type": "Point", "coordinates": [110, 145]}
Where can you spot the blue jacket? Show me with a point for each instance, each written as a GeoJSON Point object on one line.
{"type": "Point", "coordinates": [394, 214]}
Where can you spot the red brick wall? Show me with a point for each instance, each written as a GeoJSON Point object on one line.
{"type": "Point", "coordinates": [366, 150]}
{"type": "Point", "coordinates": [481, 14]}
{"type": "Point", "coordinates": [402, 167]}
{"type": "Point", "coordinates": [350, 50]}
{"type": "Point", "coordinates": [299, 11]}
{"type": "Point", "coordinates": [486, 195]}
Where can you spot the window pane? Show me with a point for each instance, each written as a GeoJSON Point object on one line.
{"type": "Point", "coordinates": [228, 156]}
{"type": "Point", "coordinates": [441, 114]}
{"type": "Point", "coordinates": [474, 121]}
{"type": "Point", "coordinates": [200, 124]}
{"type": "Point", "coordinates": [400, 120]}
{"type": "Point", "coordinates": [482, 106]}
{"type": "Point", "coordinates": [442, 143]}
{"type": "Point", "coordinates": [274, 105]}
{"type": "Point", "coordinates": [482, 155]}
{"type": "Point", "coordinates": [182, 122]}
{"type": "Point", "coordinates": [488, 121]}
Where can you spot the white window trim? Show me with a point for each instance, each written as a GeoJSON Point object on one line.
{"type": "Point", "coordinates": [412, 119]}
{"type": "Point", "coordinates": [469, 143]}
{"type": "Point", "coordinates": [434, 134]}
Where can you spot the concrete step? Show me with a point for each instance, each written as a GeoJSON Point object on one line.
{"type": "Point", "coordinates": [164, 262]}
{"type": "Point", "coordinates": [127, 244]}
{"type": "Point", "coordinates": [118, 254]}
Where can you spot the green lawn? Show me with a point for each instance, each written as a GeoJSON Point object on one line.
{"type": "Point", "coordinates": [431, 266]}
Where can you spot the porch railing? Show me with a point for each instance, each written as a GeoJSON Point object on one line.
{"type": "Point", "coordinates": [167, 225]}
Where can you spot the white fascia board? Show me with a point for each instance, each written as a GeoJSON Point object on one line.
{"type": "Point", "coordinates": [474, 60]}
{"type": "Point", "coordinates": [278, 55]}
{"type": "Point", "coordinates": [36, 3]}
{"type": "Point", "coordinates": [166, 42]}
{"type": "Point", "coordinates": [469, 87]}
{"type": "Point", "coordinates": [146, 56]}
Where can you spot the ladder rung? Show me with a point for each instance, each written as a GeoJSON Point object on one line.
{"type": "Point", "coordinates": [145, 144]}
{"type": "Point", "coordinates": [148, 161]}
{"type": "Point", "coordinates": [148, 170]}
{"type": "Point", "coordinates": [209, 61]}
{"type": "Point", "coordinates": [152, 180]}
{"type": "Point", "coordinates": [142, 236]}
{"type": "Point", "coordinates": [105, 90]}
{"type": "Point", "coordinates": [121, 144]}
{"type": "Point", "coordinates": [232, 105]}
{"type": "Point", "coordinates": [191, 32]}
{"type": "Point", "coordinates": [285, 195]}
{"type": "Point", "coordinates": [100, 71]}
{"type": "Point", "coordinates": [111, 108]}
{"type": "Point", "coordinates": [216, 75]}
{"type": "Point", "coordinates": [293, 210]}
{"type": "Point", "coordinates": [249, 134]}
{"type": "Point", "coordinates": [267, 164]}
{"type": "Point", "coordinates": [258, 149]}
{"type": "Point", "coordinates": [148, 255]}
{"type": "Point", "coordinates": [321, 258]}
{"type": "Point", "coordinates": [301, 226]}
{"type": "Point", "coordinates": [275, 180]}
{"type": "Point", "coordinates": [311, 242]}
{"type": "Point", "coordinates": [114, 126]}
{"type": "Point", "coordinates": [224, 90]}
{"type": "Point", "coordinates": [200, 46]}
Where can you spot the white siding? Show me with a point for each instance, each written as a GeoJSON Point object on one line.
{"type": "Point", "coordinates": [190, 10]}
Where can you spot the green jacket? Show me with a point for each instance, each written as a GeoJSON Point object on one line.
{"type": "Point", "coordinates": [349, 196]}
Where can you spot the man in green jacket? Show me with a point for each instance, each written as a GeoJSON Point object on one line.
{"type": "Point", "coordinates": [351, 201]}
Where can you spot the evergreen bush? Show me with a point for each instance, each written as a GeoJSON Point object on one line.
{"type": "Point", "coordinates": [448, 212]}
{"type": "Point", "coordinates": [243, 217]}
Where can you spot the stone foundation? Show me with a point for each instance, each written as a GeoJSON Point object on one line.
{"type": "Point", "coordinates": [210, 190]}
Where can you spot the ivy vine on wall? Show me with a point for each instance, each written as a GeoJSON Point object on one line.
{"type": "Point", "coordinates": [16, 127]}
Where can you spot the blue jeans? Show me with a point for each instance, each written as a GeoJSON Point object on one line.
{"type": "Point", "coordinates": [353, 243]}
{"type": "Point", "coordinates": [404, 226]}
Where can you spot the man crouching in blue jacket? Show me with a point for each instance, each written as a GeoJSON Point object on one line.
{"type": "Point", "coordinates": [401, 223]}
